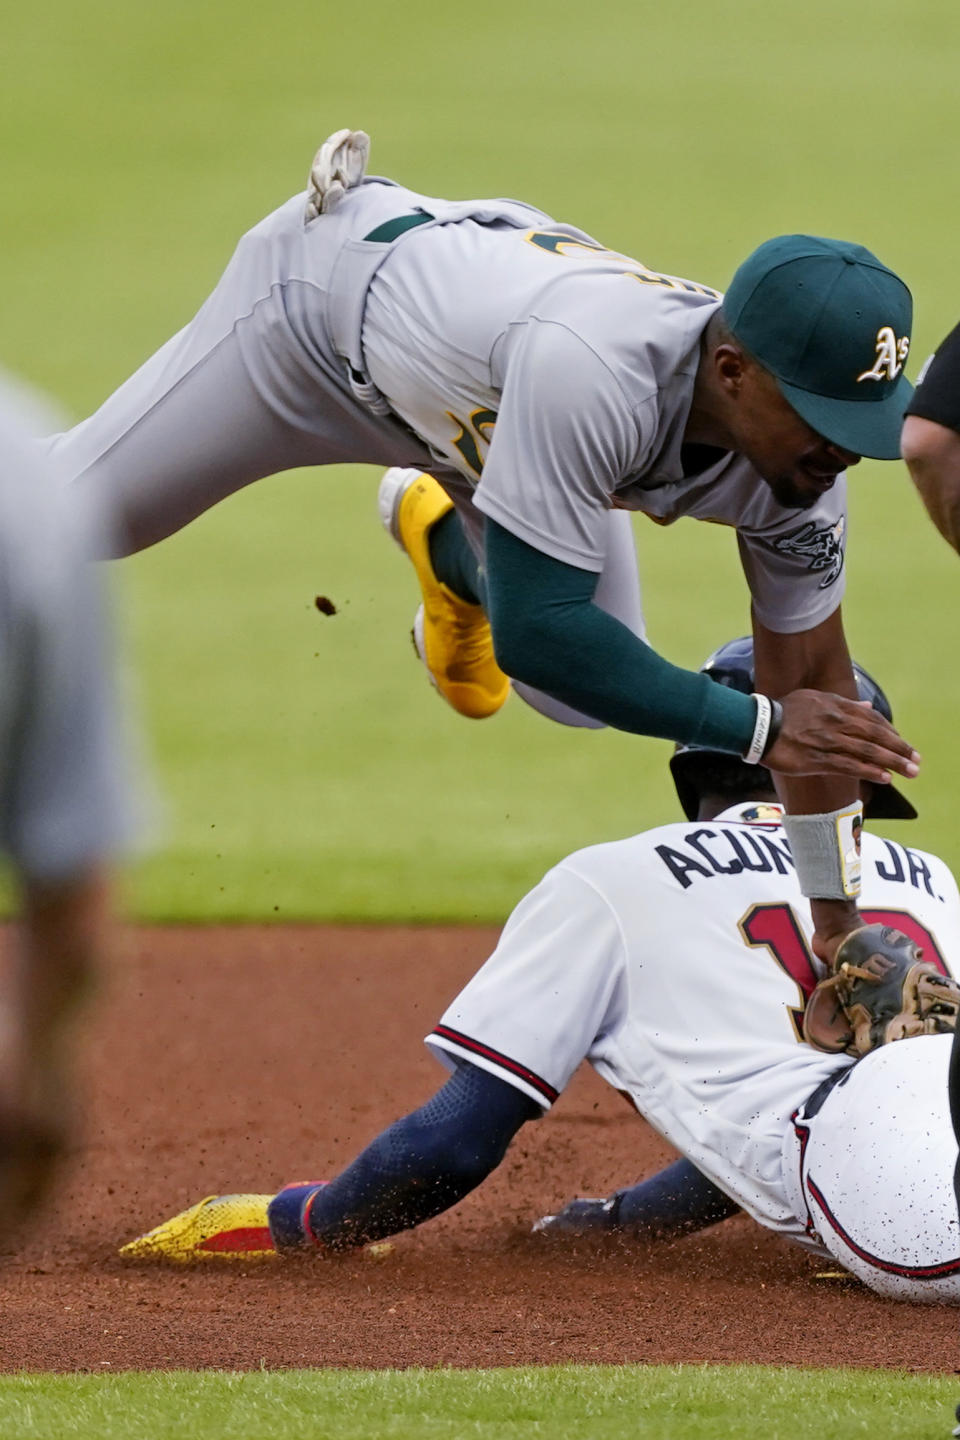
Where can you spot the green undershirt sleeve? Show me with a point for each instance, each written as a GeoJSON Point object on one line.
{"type": "Point", "coordinates": [548, 633]}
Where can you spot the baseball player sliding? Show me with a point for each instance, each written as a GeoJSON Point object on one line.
{"type": "Point", "coordinates": [678, 962]}
{"type": "Point", "coordinates": [548, 384]}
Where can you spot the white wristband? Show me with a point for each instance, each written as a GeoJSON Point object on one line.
{"type": "Point", "coordinates": [754, 751]}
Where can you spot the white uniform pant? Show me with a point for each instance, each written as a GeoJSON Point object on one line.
{"type": "Point", "coordinates": [872, 1172]}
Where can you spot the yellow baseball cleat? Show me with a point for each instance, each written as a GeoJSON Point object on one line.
{"type": "Point", "coordinates": [452, 637]}
{"type": "Point", "coordinates": [221, 1227]}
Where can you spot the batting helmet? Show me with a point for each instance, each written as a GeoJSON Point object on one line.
{"type": "Point", "coordinates": [732, 665]}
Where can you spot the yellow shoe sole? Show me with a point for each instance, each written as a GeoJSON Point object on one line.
{"type": "Point", "coordinates": [452, 636]}
{"type": "Point", "coordinates": [219, 1228]}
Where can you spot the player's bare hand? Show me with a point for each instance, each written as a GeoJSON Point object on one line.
{"type": "Point", "coordinates": [825, 734]}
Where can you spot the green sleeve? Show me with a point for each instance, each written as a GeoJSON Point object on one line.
{"type": "Point", "coordinates": [548, 633]}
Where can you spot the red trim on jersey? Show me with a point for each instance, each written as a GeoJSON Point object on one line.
{"type": "Point", "coordinates": [242, 1241]}
{"type": "Point", "coordinates": [504, 1061]}
{"type": "Point", "coordinates": [910, 1272]}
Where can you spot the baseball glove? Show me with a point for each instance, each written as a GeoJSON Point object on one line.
{"type": "Point", "coordinates": [882, 990]}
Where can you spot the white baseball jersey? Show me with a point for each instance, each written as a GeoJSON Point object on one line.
{"type": "Point", "coordinates": [678, 963]}
{"type": "Point", "coordinates": [63, 800]}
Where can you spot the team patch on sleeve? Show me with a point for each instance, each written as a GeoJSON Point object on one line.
{"type": "Point", "coordinates": [465, 1045]}
{"type": "Point", "coordinates": [821, 547]}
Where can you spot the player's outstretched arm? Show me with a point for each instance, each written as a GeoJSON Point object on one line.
{"type": "Point", "coordinates": [823, 723]}
{"type": "Point", "coordinates": [826, 733]}
{"type": "Point", "coordinates": [548, 632]}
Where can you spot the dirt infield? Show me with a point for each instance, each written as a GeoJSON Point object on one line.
{"type": "Point", "coordinates": [227, 1059]}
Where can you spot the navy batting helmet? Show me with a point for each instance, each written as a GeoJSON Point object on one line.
{"type": "Point", "coordinates": [732, 665]}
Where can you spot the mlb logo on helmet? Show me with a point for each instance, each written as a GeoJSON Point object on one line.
{"type": "Point", "coordinates": [832, 325]}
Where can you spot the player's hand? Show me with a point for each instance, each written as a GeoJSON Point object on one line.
{"type": "Point", "coordinates": [825, 734]}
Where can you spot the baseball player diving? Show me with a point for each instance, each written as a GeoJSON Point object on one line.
{"type": "Point", "coordinates": [548, 384]}
{"type": "Point", "coordinates": [679, 963]}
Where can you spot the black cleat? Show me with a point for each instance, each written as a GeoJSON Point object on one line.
{"type": "Point", "coordinates": [581, 1217]}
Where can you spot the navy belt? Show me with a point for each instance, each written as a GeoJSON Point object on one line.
{"type": "Point", "coordinates": [393, 229]}
{"type": "Point", "coordinates": [814, 1103]}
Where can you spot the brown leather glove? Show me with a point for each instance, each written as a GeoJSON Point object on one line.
{"type": "Point", "coordinates": [882, 990]}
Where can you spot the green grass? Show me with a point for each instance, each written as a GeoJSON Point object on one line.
{"type": "Point", "coordinates": [307, 770]}
{"type": "Point", "coordinates": [574, 1403]}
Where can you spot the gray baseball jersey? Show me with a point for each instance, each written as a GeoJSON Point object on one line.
{"type": "Point", "coordinates": [544, 380]}
{"type": "Point", "coordinates": [557, 377]}
{"type": "Point", "coordinates": [63, 800]}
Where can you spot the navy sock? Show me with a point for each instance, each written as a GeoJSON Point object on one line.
{"type": "Point", "coordinates": [453, 561]}
{"type": "Point", "coordinates": [285, 1214]}
{"type": "Point", "coordinates": [416, 1168]}
{"type": "Point", "coordinates": [676, 1201]}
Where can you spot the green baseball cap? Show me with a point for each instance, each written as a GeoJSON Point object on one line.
{"type": "Point", "coordinates": [832, 325]}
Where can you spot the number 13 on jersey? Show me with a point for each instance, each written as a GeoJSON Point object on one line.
{"type": "Point", "coordinates": [777, 928]}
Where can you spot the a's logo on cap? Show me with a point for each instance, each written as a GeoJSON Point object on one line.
{"type": "Point", "coordinates": [891, 356]}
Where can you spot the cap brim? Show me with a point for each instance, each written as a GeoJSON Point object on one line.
{"type": "Point", "coordinates": [886, 803]}
{"type": "Point", "coordinates": [866, 427]}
